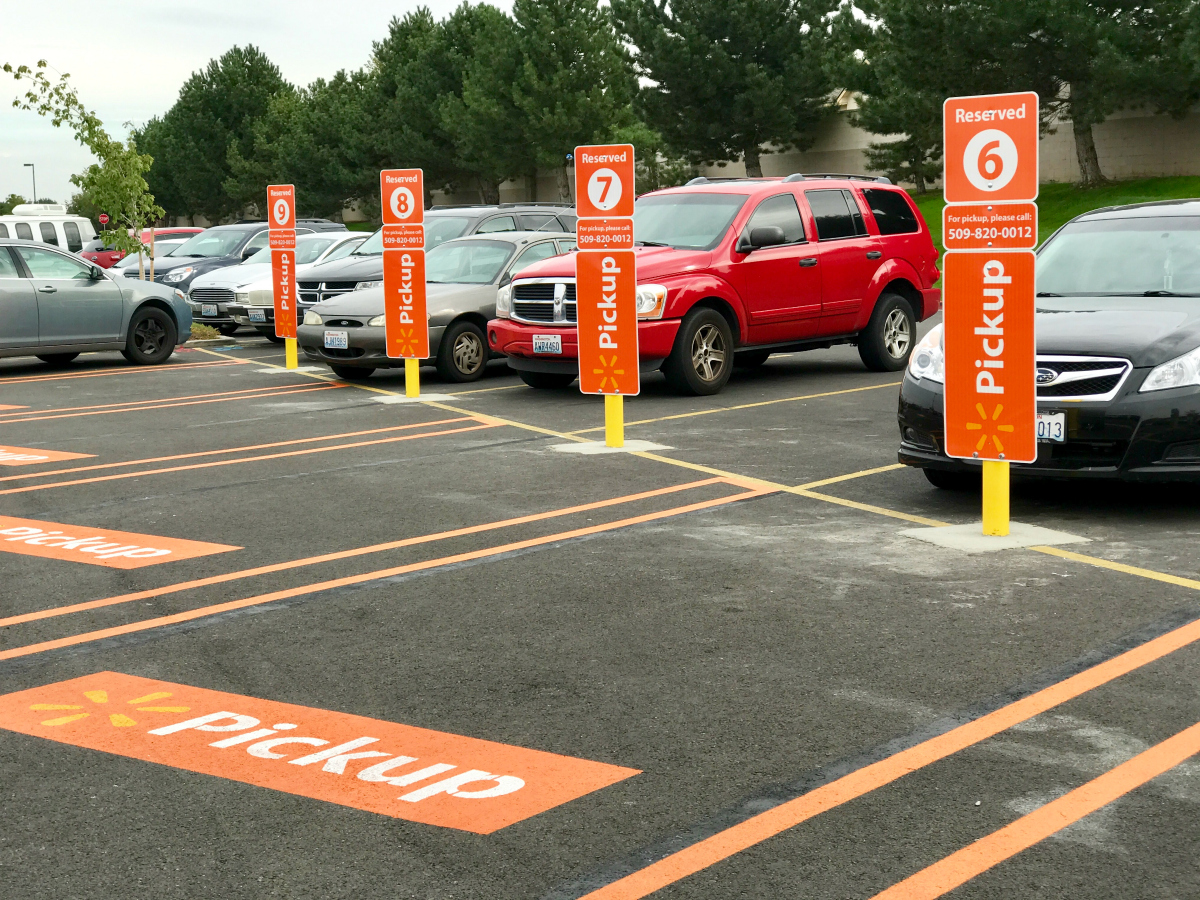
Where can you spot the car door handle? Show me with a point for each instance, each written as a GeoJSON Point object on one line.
{"type": "Point", "coordinates": [874, 254]}
{"type": "Point", "coordinates": [808, 262]}
{"type": "Point", "coordinates": [48, 289]}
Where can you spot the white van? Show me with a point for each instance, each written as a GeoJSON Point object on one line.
{"type": "Point", "coordinates": [48, 223]}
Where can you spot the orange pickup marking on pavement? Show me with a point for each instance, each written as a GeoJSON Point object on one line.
{"type": "Point", "coordinates": [243, 449]}
{"type": "Point", "coordinates": [262, 394]}
{"type": "Point", "coordinates": [132, 370]}
{"type": "Point", "coordinates": [24, 456]}
{"type": "Point", "coordinates": [242, 459]}
{"type": "Point", "coordinates": [395, 770]}
{"type": "Point", "coordinates": [97, 546]}
{"type": "Point", "coordinates": [959, 868]}
{"type": "Point", "coordinates": [348, 554]}
{"type": "Point", "coordinates": [758, 828]}
{"type": "Point", "coordinates": [259, 599]}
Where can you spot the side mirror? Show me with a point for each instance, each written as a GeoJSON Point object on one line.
{"type": "Point", "coordinates": [506, 279]}
{"type": "Point", "coordinates": [766, 236]}
{"type": "Point", "coordinates": [96, 273]}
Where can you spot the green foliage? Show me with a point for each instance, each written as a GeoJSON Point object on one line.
{"type": "Point", "coordinates": [117, 183]}
{"type": "Point", "coordinates": [81, 205]}
{"type": "Point", "coordinates": [657, 165]}
{"type": "Point", "coordinates": [575, 85]}
{"type": "Point", "coordinates": [213, 119]}
{"type": "Point", "coordinates": [729, 76]}
{"type": "Point", "coordinates": [7, 204]}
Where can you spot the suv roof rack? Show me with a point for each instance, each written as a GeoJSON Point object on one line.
{"type": "Point", "coordinates": [555, 203]}
{"type": "Point", "coordinates": [705, 179]}
{"type": "Point", "coordinates": [878, 179]}
{"type": "Point", "coordinates": [462, 206]}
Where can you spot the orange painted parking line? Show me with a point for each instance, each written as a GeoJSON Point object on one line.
{"type": "Point", "coordinates": [17, 417]}
{"type": "Point", "coordinates": [264, 393]}
{"type": "Point", "coordinates": [97, 546]}
{"type": "Point", "coordinates": [348, 554]}
{"type": "Point", "coordinates": [961, 867]}
{"type": "Point", "coordinates": [758, 828]}
{"type": "Point", "coordinates": [417, 774]}
{"type": "Point", "coordinates": [4, 406]}
{"type": "Point", "coordinates": [246, 448]}
{"type": "Point", "coordinates": [28, 456]}
{"type": "Point", "coordinates": [242, 459]}
{"type": "Point", "coordinates": [260, 599]}
{"type": "Point", "coordinates": [132, 370]}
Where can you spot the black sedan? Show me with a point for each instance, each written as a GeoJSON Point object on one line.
{"type": "Point", "coordinates": [1118, 355]}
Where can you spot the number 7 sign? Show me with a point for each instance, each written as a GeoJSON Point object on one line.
{"type": "Point", "coordinates": [604, 179]}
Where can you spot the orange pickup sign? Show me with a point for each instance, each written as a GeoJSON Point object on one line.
{"type": "Point", "coordinates": [395, 770]}
{"type": "Point", "coordinates": [991, 390]}
{"type": "Point", "coordinates": [606, 294]}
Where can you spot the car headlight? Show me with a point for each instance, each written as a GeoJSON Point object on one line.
{"type": "Point", "coordinates": [177, 275]}
{"type": "Point", "coordinates": [311, 318]}
{"type": "Point", "coordinates": [929, 357]}
{"type": "Point", "coordinates": [367, 285]}
{"type": "Point", "coordinates": [504, 301]}
{"type": "Point", "coordinates": [1181, 371]}
{"type": "Point", "coordinates": [376, 322]}
{"type": "Point", "coordinates": [651, 301]}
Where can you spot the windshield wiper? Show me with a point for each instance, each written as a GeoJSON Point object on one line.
{"type": "Point", "coordinates": [1164, 294]}
{"type": "Point", "coordinates": [650, 244]}
{"type": "Point", "coordinates": [1047, 294]}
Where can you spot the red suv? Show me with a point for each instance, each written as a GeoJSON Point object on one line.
{"type": "Point", "coordinates": [733, 270]}
{"type": "Point", "coordinates": [106, 257]}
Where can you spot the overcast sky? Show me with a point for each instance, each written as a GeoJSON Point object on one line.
{"type": "Point", "coordinates": [129, 60]}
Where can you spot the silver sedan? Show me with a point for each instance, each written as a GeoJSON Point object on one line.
{"type": "Point", "coordinates": [462, 278]}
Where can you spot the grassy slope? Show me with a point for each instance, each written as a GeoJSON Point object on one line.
{"type": "Point", "coordinates": [1059, 203]}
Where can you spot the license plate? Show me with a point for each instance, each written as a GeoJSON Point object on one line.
{"type": "Point", "coordinates": [1052, 427]}
{"type": "Point", "coordinates": [258, 315]}
{"type": "Point", "coordinates": [337, 340]}
{"type": "Point", "coordinates": [547, 343]}
{"type": "Point", "coordinates": [208, 309]}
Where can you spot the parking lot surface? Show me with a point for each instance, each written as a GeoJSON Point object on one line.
{"type": "Point", "coordinates": [753, 684]}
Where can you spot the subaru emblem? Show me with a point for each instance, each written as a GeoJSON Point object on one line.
{"type": "Point", "coordinates": [1046, 376]}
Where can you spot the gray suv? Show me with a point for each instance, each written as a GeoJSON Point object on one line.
{"type": "Point", "coordinates": [364, 267]}
{"type": "Point", "coordinates": [55, 306]}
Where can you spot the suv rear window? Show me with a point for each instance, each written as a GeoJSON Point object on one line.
{"type": "Point", "coordinates": [832, 214]}
{"type": "Point", "coordinates": [892, 213]}
{"type": "Point", "coordinates": [49, 235]}
{"type": "Point", "coordinates": [23, 231]}
{"type": "Point", "coordinates": [540, 223]}
{"type": "Point", "coordinates": [780, 210]}
{"type": "Point", "coordinates": [3, 230]}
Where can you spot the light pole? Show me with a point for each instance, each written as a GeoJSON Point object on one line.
{"type": "Point", "coordinates": [34, 173]}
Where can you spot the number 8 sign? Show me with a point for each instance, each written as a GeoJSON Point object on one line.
{"type": "Point", "coordinates": [606, 181]}
{"type": "Point", "coordinates": [991, 148]}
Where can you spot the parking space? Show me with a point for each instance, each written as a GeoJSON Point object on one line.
{"type": "Point", "coordinates": [740, 675]}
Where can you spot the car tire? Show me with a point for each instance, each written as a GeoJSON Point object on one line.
{"type": "Point", "coordinates": [353, 373]}
{"type": "Point", "coordinates": [952, 481]}
{"type": "Point", "coordinates": [152, 336]}
{"type": "Point", "coordinates": [702, 359]}
{"type": "Point", "coordinates": [463, 353]}
{"type": "Point", "coordinates": [888, 340]}
{"type": "Point", "coordinates": [57, 359]}
{"type": "Point", "coordinates": [751, 359]}
{"type": "Point", "coordinates": [547, 380]}
{"type": "Point", "coordinates": [229, 328]}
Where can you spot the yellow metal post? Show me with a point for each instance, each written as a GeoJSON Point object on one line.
{"type": "Point", "coordinates": [412, 378]}
{"type": "Point", "coordinates": [614, 420]}
{"type": "Point", "coordinates": [995, 498]}
{"type": "Point", "coordinates": [290, 355]}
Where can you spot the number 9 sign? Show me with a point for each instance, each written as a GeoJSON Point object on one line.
{"type": "Point", "coordinates": [991, 148]}
{"type": "Point", "coordinates": [281, 205]}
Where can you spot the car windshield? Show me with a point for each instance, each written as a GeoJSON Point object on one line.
{"type": "Point", "coordinates": [685, 221]}
{"type": "Point", "coordinates": [1156, 256]}
{"type": "Point", "coordinates": [438, 230]}
{"type": "Point", "coordinates": [307, 250]}
{"type": "Point", "coordinates": [212, 243]}
{"type": "Point", "coordinates": [467, 262]}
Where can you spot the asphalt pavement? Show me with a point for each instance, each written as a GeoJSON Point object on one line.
{"type": "Point", "coordinates": [741, 677]}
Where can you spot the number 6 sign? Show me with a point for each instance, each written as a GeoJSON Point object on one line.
{"type": "Point", "coordinates": [991, 148]}
{"type": "Point", "coordinates": [605, 178]}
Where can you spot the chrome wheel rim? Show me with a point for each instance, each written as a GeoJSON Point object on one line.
{"type": "Point", "coordinates": [468, 353]}
{"type": "Point", "coordinates": [897, 336]}
{"type": "Point", "coordinates": [148, 336]}
{"type": "Point", "coordinates": [708, 352]}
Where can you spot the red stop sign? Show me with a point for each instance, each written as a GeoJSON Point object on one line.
{"type": "Point", "coordinates": [103, 217]}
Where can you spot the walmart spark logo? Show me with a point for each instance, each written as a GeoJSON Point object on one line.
{"type": "Point", "coordinates": [987, 427]}
{"type": "Point", "coordinates": [100, 698]}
